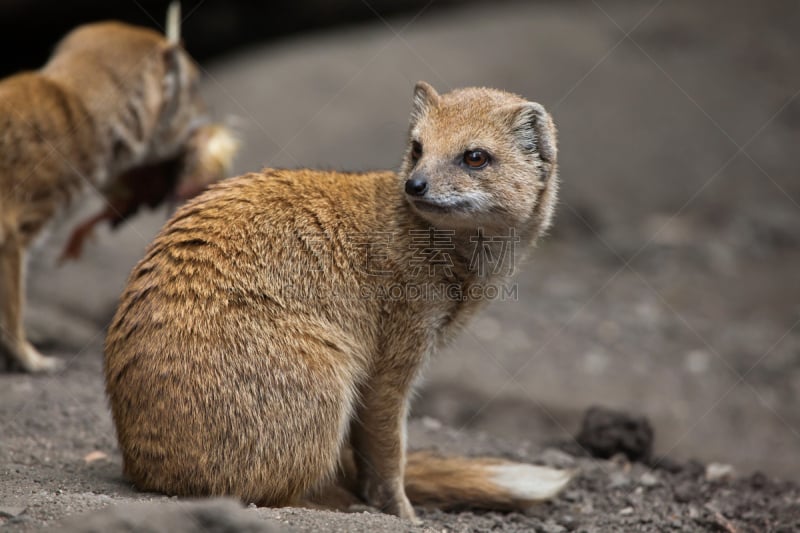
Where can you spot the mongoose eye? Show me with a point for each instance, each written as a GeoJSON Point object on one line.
{"type": "Point", "coordinates": [416, 150]}
{"type": "Point", "coordinates": [476, 159]}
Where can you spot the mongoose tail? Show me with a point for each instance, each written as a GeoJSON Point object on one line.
{"type": "Point", "coordinates": [479, 483]}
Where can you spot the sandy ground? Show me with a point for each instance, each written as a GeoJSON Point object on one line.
{"type": "Point", "coordinates": [668, 287]}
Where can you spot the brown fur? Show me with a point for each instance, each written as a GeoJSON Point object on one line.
{"type": "Point", "coordinates": [113, 97]}
{"type": "Point", "coordinates": [258, 339]}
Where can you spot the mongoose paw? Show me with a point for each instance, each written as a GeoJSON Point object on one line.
{"type": "Point", "coordinates": [32, 361]}
{"type": "Point", "coordinates": [391, 501]}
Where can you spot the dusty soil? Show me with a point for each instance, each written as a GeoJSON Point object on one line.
{"type": "Point", "coordinates": [668, 288]}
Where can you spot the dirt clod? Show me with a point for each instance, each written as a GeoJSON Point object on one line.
{"type": "Point", "coordinates": [605, 433]}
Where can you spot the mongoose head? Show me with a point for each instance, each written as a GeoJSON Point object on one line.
{"type": "Point", "coordinates": [156, 82]}
{"type": "Point", "coordinates": [480, 158]}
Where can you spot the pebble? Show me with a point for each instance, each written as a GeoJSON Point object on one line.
{"type": "Point", "coordinates": [719, 472]}
{"type": "Point", "coordinates": [557, 458]}
{"type": "Point", "coordinates": [648, 480]}
{"type": "Point", "coordinates": [685, 492]}
{"type": "Point", "coordinates": [618, 479]}
{"type": "Point", "coordinates": [626, 511]}
{"type": "Point", "coordinates": [552, 527]}
{"type": "Point", "coordinates": [568, 522]}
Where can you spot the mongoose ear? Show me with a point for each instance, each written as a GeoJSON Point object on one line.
{"type": "Point", "coordinates": [534, 127]}
{"type": "Point", "coordinates": [178, 76]}
{"type": "Point", "coordinates": [425, 97]}
{"type": "Point", "coordinates": [170, 54]}
{"type": "Point", "coordinates": [173, 31]}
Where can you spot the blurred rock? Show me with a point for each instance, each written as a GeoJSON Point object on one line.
{"type": "Point", "coordinates": [648, 480]}
{"type": "Point", "coordinates": [557, 458]}
{"type": "Point", "coordinates": [719, 472]}
{"type": "Point", "coordinates": [605, 432]}
{"type": "Point", "coordinates": [618, 480]}
{"type": "Point", "coordinates": [209, 516]}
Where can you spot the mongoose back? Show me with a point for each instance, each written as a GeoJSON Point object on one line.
{"type": "Point", "coordinates": [112, 98]}
{"type": "Point", "coordinates": [279, 321]}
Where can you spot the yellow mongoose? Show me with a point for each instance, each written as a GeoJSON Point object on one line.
{"type": "Point", "coordinates": [116, 108]}
{"type": "Point", "coordinates": [279, 321]}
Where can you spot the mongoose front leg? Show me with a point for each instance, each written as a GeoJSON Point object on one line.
{"type": "Point", "coordinates": [379, 442]}
{"type": "Point", "coordinates": [13, 346]}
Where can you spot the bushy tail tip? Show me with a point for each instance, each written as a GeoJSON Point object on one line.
{"type": "Point", "coordinates": [483, 483]}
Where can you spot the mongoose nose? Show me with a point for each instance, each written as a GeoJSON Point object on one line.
{"type": "Point", "coordinates": [416, 187]}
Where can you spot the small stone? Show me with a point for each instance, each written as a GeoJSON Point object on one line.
{"type": "Point", "coordinates": [552, 527]}
{"type": "Point", "coordinates": [617, 480]}
{"type": "Point", "coordinates": [758, 480]}
{"type": "Point", "coordinates": [252, 506]}
{"type": "Point", "coordinates": [719, 472]}
{"type": "Point", "coordinates": [626, 511]}
{"type": "Point", "coordinates": [685, 493]}
{"type": "Point", "coordinates": [648, 480]}
{"type": "Point", "coordinates": [568, 522]}
{"type": "Point", "coordinates": [557, 458]}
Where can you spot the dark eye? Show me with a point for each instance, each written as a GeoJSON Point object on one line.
{"type": "Point", "coordinates": [476, 159]}
{"type": "Point", "coordinates": [416, 150]}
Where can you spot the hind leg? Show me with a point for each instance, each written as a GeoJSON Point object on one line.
{"type": "Point", "coordinates": [14, 348]}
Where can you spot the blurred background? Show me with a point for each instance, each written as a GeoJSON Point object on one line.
{"type": "Point", "coordinates": [670, 284]}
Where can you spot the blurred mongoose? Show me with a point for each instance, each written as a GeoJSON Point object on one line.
{"type": "Point", "coordinates": [278, 323]}
{"type": "Point", "coordinates": [115, 109]}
